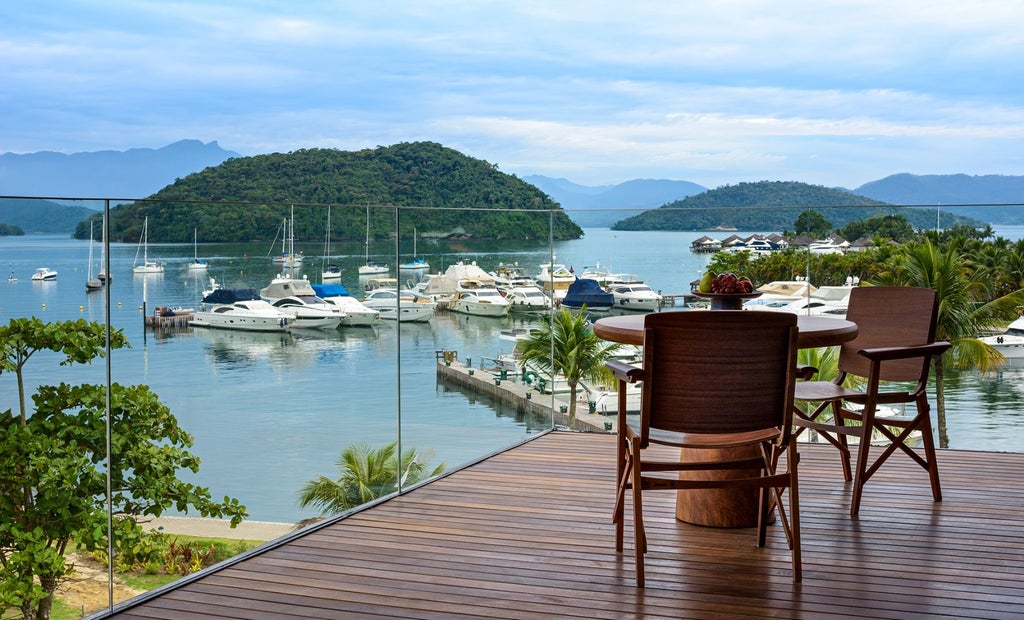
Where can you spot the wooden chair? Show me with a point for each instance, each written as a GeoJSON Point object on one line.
{"type": "Point", "coordinates": [714, 382]}
{"type": "Point", "coordinates": [895, 343]}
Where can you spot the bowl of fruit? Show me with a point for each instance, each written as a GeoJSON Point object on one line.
{"type": "Point", "coordinates": [726, 291]}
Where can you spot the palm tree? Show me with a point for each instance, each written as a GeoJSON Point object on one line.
{"type": "Point", "coordinates": [365, 474]}
{"type": "Point", "coordinates": [963, 309]}
{"type": "Point", "coordinates": [568, 346]}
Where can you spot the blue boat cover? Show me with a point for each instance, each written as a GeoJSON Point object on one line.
{"type": "Point", "coordinates": [230, 295]}
{"type": "Point", "coordinates": [589, 292]}
{"type": "Point", "coordinates": [330, 290]}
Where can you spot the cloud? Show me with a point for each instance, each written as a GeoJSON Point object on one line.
{"type": "Point", "coordinates": [839, 93]}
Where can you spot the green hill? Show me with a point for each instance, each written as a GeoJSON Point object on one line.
{"type": "Point", "coordinates": [41, 216]}
{"type": "Point", "coordinates": [422, 175]}
{"type": "Point", "coordinates": [774, 205]}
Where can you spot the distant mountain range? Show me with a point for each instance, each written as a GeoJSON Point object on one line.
{"type": "Point", "coordinates": [142, 172]}
{"type": "Point", "coordinates": [600, 207]}
{"type": "Point", "coordinates": [135, 173]}
{"type": "Point", "coordinates": [1000, 199]}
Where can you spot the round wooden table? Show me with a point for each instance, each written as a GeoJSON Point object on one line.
{"type": "Point", "coordinates": [815, 331]}
{"type": "Point", "coordinates": [725, 507]}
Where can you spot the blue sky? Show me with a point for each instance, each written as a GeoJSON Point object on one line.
{"type": "Point", "coordinates": [834, 93]}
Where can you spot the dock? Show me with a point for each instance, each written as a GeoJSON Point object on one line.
{"type": "Point", "coordinates": [509, 389]}
{"type": "Point", "coordinates": [669, 300]}
{"type": "Point", "coordinates": [169, 317]}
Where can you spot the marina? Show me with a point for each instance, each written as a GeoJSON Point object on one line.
{"type": "Point", "coordinates": [268, 410]}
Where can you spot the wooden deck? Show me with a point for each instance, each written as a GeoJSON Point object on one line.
{"type": "Point", "coordinates": [526, 534]}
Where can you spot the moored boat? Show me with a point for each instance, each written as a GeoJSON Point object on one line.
{"type": "Point", "coordinates": [44, 274]}
{"type": "Point", "coordinates": [554, 279]}
{"type": "Point", "coordinates": [587, 292]}
{"type": "Point", "coordinates": [635, 296]}
{"type": "Point", "coordinates": [1011, 342]}
{"type": "Point", "coordinates": [395, 305]}
{"type": "Point", "coordinates": [147, 266]}
{"type": "Point", "coordinates": [240, 309]}
{"type": "Point", "coordinates": [355, 313]}
{"type": "Point", "coordinates": [296, 298]}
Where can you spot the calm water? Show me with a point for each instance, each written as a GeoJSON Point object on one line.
{"type": "Point", "coordinates": [270, 411]}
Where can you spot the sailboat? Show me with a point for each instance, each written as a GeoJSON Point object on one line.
{"type": "Point", "coordinates": [91, 283]}
{"type": "Point", "coordinates": [416, 264]}
{"type": "Point", "coordinates": [370, 268]}
{"type": "Point", "coordinates": [146, 266]}
{"type": "Point", "coordinates": [330, 271]}
{"type": "Point", "coordinates": [288, 258]}
{"type": "Point", "coordinates": [196, 263]}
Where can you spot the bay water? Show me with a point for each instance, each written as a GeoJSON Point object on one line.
{"type": "Point", "coordinates": [271, 411]}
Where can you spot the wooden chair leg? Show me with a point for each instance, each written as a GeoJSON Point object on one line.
{"type": "Point", "coordinates": [863, 449]}
{"type": "Point", "coordinates": [639, 535]}
{"type": "Point", "coordinates": [619, 512]}
{"type": "Point", "coordinates": [924, 411]}
{"type": "Point", "coordinates": [793, 459]}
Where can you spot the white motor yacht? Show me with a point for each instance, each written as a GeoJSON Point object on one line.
{"type": "Point", "coordinates": [44, 274]}
{"type": "Point", "coordinates": [240, 309]}
{"type": "Point", "coordinates": [635, 296]}
{"type": "Point", "coordinates": [355, 313]}
{"type": "Point", "coordinates": [475, 292]}
{"type": "Point", "coordinates": [393, 305]}
{"type": "Point", "coordinates": [1011, 342]}
{"type": "Point", "coordinates": [296, 298]}
{"type": "Point", "coordinates": [526, 298]}
{"type": "Point", "coordinates": [554, 280]}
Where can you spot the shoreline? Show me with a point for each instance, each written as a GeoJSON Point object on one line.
{"type": "Point", "coordinates": [218, 528]}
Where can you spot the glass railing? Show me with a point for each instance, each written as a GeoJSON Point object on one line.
{"type": "Point", "coordinates": [299, 422]}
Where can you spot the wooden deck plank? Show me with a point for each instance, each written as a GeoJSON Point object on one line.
{"type": "Point", "coordinates": [527, 534]}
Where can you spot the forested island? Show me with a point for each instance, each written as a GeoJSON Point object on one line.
{"type": "Point", "coordinates": [774, 205]}
{"type": "Point", "coordinates": [245, 199]}
{"type": "Point", "coordinates": [7, 230]}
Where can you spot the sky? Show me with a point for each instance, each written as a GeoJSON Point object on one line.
{"type": "Point", "coordinates": [836, 93]}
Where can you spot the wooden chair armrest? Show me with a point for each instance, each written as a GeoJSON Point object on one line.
{"type": "Point", "coordinates": [805, 372]}
{"type": "Point", "coordinates": [625, 372]}
{"type": "Point", "coordinates": [880, 354]}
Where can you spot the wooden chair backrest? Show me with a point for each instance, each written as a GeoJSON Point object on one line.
{"type": "Point", "coordinates": [718, 371]}
{"type": "Point", "coordinates": [890, 316]}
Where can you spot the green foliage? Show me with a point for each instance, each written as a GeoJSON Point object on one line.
{"type": "Point", "coordinates": [447, 193]}
{"type": "Point", "coordinates": [820, 269]}
{"type": "Point", "coordinates": [8, 230]}
{"type": "Point", "coordinates": [568, 346]}
{"type": "Point", "coordinates": [53, 463]}
{"type": "Point", "coordinates": [886, 227]}
{"type": "Point", "coordinates": [812, 223]}
{"type": "Point", "coordinates": [365, 474]}
{"type": "Point", "coordinates": [770, 205]}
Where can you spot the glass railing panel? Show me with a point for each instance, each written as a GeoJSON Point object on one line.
{"type": "Point", "coordinates": [463, 396]}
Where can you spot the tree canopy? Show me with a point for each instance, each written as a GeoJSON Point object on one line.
{"type": "Point", "coordinates": [54, 467]}
{"type": "Point", "coordinates": [245, 199]}
{"type": "Point", "coordinates": [772, 205]}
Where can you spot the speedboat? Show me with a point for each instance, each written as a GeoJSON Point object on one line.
{"type": "Point", "coordinates": [297, 299]}
{"type": "Point", "coordinates": [355, 313]}
{"type": "Point", "coordinates": [587, 292]}
{"type": "Point", "coordinates": [1009, 343]}
{"type": "Point", "coordinates": [404, 305]}
{"type": "Point", "coordinates": [44, 274]}
{"type": "Point", "coordinates": [241, 309]}
{"type": "Point", "coordinates": [635, 296]}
